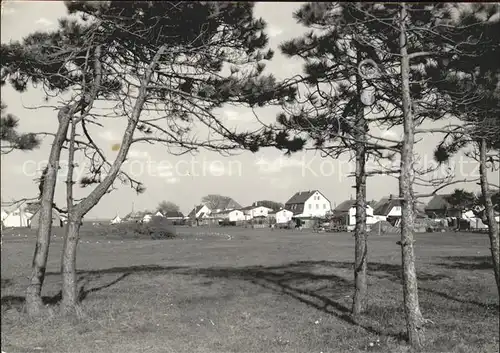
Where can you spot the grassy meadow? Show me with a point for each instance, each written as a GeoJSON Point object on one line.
{"type": "Point", "coordinates": [218, 290]}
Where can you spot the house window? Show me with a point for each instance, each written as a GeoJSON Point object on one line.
{"type": "Point", "coordinates": [310, 206]}
{"type": "Point", "coordinates": [324, 206]}
{"type": "Point", "coordinates": [317, 206]}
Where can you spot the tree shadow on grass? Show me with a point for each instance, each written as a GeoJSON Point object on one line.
{"type": "Point", "coordinates": [470, 263]}
{"type": "Point", "coordinates": [11, 301]}
{"type": "Point", "coordinates": [309, 282]}
{"type": "Point", "coordinates": [299, 280]}
{"type": "Point", "coordinates": [322, 292]}
{"type": "Point", "coordinates": [393, 272]}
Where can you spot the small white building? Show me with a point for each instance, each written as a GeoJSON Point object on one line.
{"type": "Point", "coordinates": [236, 216]}
{"type": "Point", "coordinates": [147, 218]}
{"type": "Point", "coordinates": [17, 218]}
{"type": "Point", "coordinates": [282, 216]}
{"type": "Point", "coordinates": [116, 220]}
{"type": "Point", "coordinates": [345, 214]}
{"type": "Point", "coordinates": [387, 208]}
{"type": "Point", "coordinates": [158, 214]}
{"type": "Point", "coordinates": [256, 211]}
{"type": "Point", "coordinates": [260, 211]}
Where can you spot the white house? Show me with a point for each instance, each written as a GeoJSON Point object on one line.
{"type": "Point", "coordinates": [231, 216]}
{"type": "Point", "coordinates": [387, 208]}
{"type": "Point", "coordinates": [17, 218]}
{"type": "Point", "coordinates": [235, 216]}
{"type": "Point", "coordinates": [345, 213]}
{"type": "Point", "coordinates": [260, 211]}
{"type": "Point", "coordinates": [200, 211]}
{"type": "Point", "coordinates": [282, 216]}
{"type": "Point", "coordinates": [4, 214]}
{"type": "Point", "coordinates": [256, 211]}
{"type": "Point", "coordinates": [307, 204]}
{"type": "Point", "coordinates": [158, 214]}
{"type": "Point", "coordinates": [147, 218]}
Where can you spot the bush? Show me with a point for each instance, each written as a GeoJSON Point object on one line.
{"type": "Point", "coordinates": [157, 228]}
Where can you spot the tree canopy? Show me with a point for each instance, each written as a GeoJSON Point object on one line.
{"type": "Point", "coordinates": [11, 138]}
{"type": "Point", "coordinates": [167, 206]}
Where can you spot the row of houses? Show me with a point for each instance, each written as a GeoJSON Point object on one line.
{"type": "Point", "coordinates": [28, 215]}
{"type": "Point", "coordinates": [143, 216]}
{"type": "Point", "coordinates": [304, 208]}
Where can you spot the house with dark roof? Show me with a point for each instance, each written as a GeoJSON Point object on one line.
{"type": "Point", "coordinates": [439, 207]}
{"type": "Point", "coordinates": [345, 214]}
{"type": "Point", "coordinates": [199, 211]}
{"type": "Point", "coordinates": [173, 215]}
{"type": "Point", "coordinates": [308, 204]}
{"type": "Point", "coordinates": [226, 204]}
{"type": "Point", "coordinates": [387, 209]}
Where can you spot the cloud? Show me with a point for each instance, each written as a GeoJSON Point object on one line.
{"type": "Point", "coordinates": [44, 22]}
{"type": "Point", "coordinates": [274, 166]}
{"type": "Point", "coordinates": [273, 31]}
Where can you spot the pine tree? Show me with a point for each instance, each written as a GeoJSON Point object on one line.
{"type": "Point", "coordinates": [332, 115]}
{"type": "Point", "coordinates": [470, 83]}
{"type": "Point", "coordinates": [11, 138]}
{"type": "Point", "coordinates": [164, 57]}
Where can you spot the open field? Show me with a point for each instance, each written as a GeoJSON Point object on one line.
{"type": "Point", "coordinates": [252, 291]}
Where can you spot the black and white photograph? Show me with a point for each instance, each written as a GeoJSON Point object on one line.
{"type": "Point", "coordinates": [250, 177]}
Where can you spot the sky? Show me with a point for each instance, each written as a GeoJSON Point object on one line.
{"type": "Point", "coordinates": [184, 180]}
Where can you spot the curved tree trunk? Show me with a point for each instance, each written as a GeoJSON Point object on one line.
{"type": "Point", "coordinates": [33, 294]}
{"type": "Point", "coordinates": [77, 212]}
{"type": "Point", "coordinates": [361, 246]}
{"type": "Point", "coordinates": [490, 212]}
{"type": "Point", "coordinates": [410, 282]}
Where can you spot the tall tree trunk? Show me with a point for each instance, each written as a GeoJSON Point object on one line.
{"type": "Point", "coordinates": [78, 211]}
{"type": "Point", "coordinates": [68, 260]}
{"type": "Point", "coordinates": [361, 247]}
{"type": "Point", "coordinates": [68, 268]}
{"type": "Point", "coordinates": [34, 302]}
{"type": "Point", "coordinates": [410, 283]}
{"type": "Point", "coordinates": [490, 212]}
